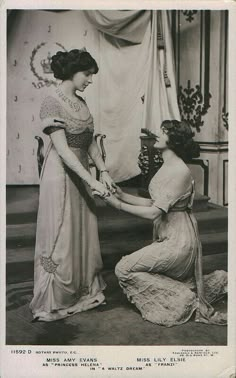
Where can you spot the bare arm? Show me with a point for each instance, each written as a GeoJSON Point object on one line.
{"type": "Point", "coordinates": [132, 200]}
{"type": "Point", "coordinates": [147, 212]}
{"type": "Point", "coordinates": [135, 200]}
{"type": "Point", "coordinates": [105, 178]}
{"type": "Point", "coordinates": [96, 155]}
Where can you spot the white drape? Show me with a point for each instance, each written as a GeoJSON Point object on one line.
{"type": "Point", "coordinates": [132, 66]}
{"type": "Point", "coordinates": [160, 93]}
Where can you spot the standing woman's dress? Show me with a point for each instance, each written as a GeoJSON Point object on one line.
{"type": "Point", "coordinates": [164, 280]}
{"type": "Point", "coordinates": [68, 260]}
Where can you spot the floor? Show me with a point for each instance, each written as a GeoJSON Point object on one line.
{"type": "Point", "coordinates": [116, 323]}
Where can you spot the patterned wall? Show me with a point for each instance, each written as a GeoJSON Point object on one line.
{"type": "Point", "coordinates": [201, 47]}
{"type": "Point", "coordinates": [33, 37]}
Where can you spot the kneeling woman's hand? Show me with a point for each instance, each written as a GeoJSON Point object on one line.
{"type": "Point", "coordinates": [113, 201]}
{"type": "Point", "coordinates": [119, 192]}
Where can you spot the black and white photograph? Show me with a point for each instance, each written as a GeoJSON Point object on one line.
{"type": "Point", "coordinates": [116, 191]}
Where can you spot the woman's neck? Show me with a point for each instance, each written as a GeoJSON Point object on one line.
{"type": "Point", "coordinates": [168, 156]}
{"type": "Point", "coordinates": [68, 88]}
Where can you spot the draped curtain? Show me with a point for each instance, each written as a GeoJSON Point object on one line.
{"type": "Point", "coordinates": [136, 82]}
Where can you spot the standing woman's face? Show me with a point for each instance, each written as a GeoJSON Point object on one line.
{"type": "Point", "coordinates": [82, 79]}
{"type": "Point", "coordinates": [161, 140]}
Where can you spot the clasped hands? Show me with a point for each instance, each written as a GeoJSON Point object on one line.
{"type": "Point", "coordinates": [105, 187]}
{"type": "Point", "coordinates": [108, 190]}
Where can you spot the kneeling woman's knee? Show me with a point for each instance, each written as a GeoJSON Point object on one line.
{"type": "Point", "coordinates": [121, 269]}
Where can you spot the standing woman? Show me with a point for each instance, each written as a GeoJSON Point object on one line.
{"type": "Point", "coordinates": [164, 280]}
{"type": "Point", "coordinates": [68, 261]}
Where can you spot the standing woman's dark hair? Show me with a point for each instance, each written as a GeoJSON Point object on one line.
{"type": "Point", "coordinates": [65, 64]}
{"type": "Point", "coordinates": [181, 139]}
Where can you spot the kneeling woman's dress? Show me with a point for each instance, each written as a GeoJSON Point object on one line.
{"type": "Point", "coordinates": [164, 280]}
{"type": "Point", "coordinates": [68, 261]}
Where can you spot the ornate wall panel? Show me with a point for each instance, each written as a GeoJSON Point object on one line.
{"type": "Point", "coordinates": [201, 49]}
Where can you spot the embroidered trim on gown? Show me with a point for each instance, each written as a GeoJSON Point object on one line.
{"type": "Point", "coordinates": [68, 261]}
{"type": "Point", "coordinates": [164, 280]}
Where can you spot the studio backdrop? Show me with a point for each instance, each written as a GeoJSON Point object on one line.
{"type": "Point", "coordinates": [134, 88]}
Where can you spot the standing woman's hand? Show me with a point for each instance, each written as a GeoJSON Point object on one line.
{"type": "Point", "coordinates": [107, 181]}
{"type": "Point", "coordinates": [99, 189]}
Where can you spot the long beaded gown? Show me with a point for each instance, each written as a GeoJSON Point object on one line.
{"type": "Point", "coordinates": [68, 263]}
{"type": "Point", "coordinates": [164, 279]}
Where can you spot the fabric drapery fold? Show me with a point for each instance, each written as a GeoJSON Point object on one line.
{"type": "Point", "coordinates": [160, 94]}
{"type": "Point", "coordinates": [128, 25]}
{"type": "Point", "coordinates": [136, 62]}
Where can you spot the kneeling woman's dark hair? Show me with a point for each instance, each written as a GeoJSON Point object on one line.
{"type": "Point", "coordinates": [65, 64]}
{"type": "Point", "coordinates": [181, 139]}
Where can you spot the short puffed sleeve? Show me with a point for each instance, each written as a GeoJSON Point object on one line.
{"type": "Point", "coordinates": [51, 115]}
{"type": "Point", "coordinates": [165, 192]}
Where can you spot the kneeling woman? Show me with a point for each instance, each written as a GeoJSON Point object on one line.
{"type": "Point", "coordinates": [164, 280]}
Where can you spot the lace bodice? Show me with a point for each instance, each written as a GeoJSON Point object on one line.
{"type": "Point", "coordinates": [78, 131]}
{"type": "Point", "coordinates": [52, 108]}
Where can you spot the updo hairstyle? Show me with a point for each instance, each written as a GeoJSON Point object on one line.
{"type": "Point", "coordinates": [181, 139]}
{"type": "Point", "coordinates": [65, 64]}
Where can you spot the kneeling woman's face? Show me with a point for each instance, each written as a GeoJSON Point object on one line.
{"type": "Point", "coordinates": [82, 79]}
{"type": "Point", "coordinates": [161, 140]}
